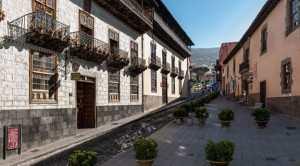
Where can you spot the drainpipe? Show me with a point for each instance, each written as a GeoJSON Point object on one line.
{"type": "Point", "coordinates": [143, 108]}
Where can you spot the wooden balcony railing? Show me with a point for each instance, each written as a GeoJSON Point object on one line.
{"type": "Point", "coordinates": [181, 74]}
{"type": "Point", "coordinates": [244, 67]}
{"type": "Point", "coordinates": [87, 47]}
{"type": "Point", "coordinates": [166, 68]}
{"type": "Point", "coordinates": [174, 71]}
{"type": "Point", "coordinates": [154, 62]}
{"type": "Point", "coordinates": [117, 61]}
{"type": "Point", "coordinates": [40, 29]}
{"type": "Point", "coordinates": [137, 66]}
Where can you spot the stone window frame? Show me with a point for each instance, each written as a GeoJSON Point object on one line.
{"type": "Point", "coordinates": [285, 89]}
{"type": "Point", "coordinates": [153, 74]}
{"type": "Point", "coordinates": [290, 20]}
{"type": "Point", "coordinates": [264, 40]}
{"type": "Point", "coordinates": [48, 94]}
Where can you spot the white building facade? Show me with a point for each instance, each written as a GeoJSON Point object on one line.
{"type": "Point", "coordinates": [72, 64]}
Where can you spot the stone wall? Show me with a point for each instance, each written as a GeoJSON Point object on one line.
{"type": "Point", "coordinates": [107, 114]}
{"type": "Point", "coordinates": [39, 127]}
{"type": "Point", "coordinates": [151, 102]}
{"type": "Point", "coordinates": [286, 105]}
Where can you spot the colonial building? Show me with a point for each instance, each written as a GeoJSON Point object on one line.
{"type": "Point", "coordinates": [263, 65]}
{"type": "Point", "coordinates": [72, 64]}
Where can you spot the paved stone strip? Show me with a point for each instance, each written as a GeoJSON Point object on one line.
{"type": "Point", "coordinates": [183, 145]}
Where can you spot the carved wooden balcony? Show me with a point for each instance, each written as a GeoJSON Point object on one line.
{"type": "Point", "coordinates": [154, 62]}
{"type": "Point", "coordinates": [174, 72]}
{"type": "Point", "coordinates": [40, 29]}
{"type": "Point", "coordinates": [244, 67]}
{"type": "Point", "coordinates": [87, 47]}
{"type": "Point", "coordinates": [136, 66]}
{"type": "Point", "coordinates": [118, 60]}
{"type": "Point", "coordinates": [130, 11]}
{"type": "Point", "coordinates": [181, 74]}
{"type": "Point", "coordinates": [165, 68]}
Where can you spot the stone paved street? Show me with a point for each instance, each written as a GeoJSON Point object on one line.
{"type": "Point", "coordinates": [183, 145]}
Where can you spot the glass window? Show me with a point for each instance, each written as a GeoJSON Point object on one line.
{"type": "Point", "coordinates": [43, 77]}
{"type": "Point", "coordinates": [134, 88]}
{"type": "Point", "coordinates": [264, 38]}
{"type": "Point", "coordinates": [286, 76]}
{"type": "Point", "coordinates": [173, 85]}
{"type": "Point", "coordinates": [114, 86]}
{"type": "Point", "coordinates": [153, 81]}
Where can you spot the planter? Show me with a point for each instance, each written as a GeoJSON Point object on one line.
{"type": "Point", "coordinates": [262, 124]}
{"type": "Point", "coordinates": [218, 163]}
{"type": "Point", "coordinates": [144, 162]}
{"type": "Point", "coordinates": [225, 123]}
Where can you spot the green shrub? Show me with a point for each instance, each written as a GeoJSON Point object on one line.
{"type": "Point", "coordinates": [222, 151]}
{"type": "Point", "coordinates": [188, 107]}
{"type": "Point", "coordinates": [226, 115]}
{"type": "Point", "coordinates": [180, 113]}
{"type": "Point", "coordinates": [262, 114]}
{"type": "Point", "coordinates": [82, 158]}
{"type": "Point", "coordinates": [201, 113]}
{"type": "Point", "coordinates": [145, 149]}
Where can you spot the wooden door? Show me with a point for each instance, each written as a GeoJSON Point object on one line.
{"type": "Point", "coordinates": [263, 92]}
{"type": "Point", "coordinates": [164, 87]}
{"type": "Point", "coordinates": [86, 105]}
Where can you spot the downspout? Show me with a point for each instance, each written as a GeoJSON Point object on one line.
{"type": "Point", "coordinates": [143, 107]}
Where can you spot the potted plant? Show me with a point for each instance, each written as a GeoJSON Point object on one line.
{"type": "Point", "coordinates": [262, 117]}
{"type": "Point", "coordinates": [180, 114]}
{"type": "Point", "coordinates": [145, 151]}
{"type": "Point", "coordinates": [219, 154]}
{"type": "Point", "coordinates": [202, 115]}
{"type": "Point", "coordinates": [82, 158]}
{"type": "Point", "coordinates": [226, 116]}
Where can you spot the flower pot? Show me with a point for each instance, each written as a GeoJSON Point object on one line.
{"type": "Point", "coordinates": [145, 162]}
{"type": "Point", "coordinates": [218, 163]}
{"type": "Point", "coordinates": [225, 123]}
{"type": "Point", "coordinates": [262, 124]}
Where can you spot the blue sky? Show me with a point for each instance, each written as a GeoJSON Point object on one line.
{"type": "Point", "coordinates": [211, 22]}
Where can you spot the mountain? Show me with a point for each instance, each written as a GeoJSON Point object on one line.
{"type": "Point", "coordinates": [204, 56]}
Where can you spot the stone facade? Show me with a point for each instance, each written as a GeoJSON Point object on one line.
{"type": "Point", "coordinates": [107, 114]}
{"type": "Point", "coordinates": [287, 105]}
{"type": "Point", "coordinates": [39, 127]}
{"type": "Point", "coordinates": [151, 101]}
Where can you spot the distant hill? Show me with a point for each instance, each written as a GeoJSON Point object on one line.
{"type": "Point", "coordinates": [204, 56]}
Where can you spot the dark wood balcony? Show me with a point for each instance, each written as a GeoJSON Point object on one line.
{"type": "Point", "coordinates": [174, 72]}
{"type": "Point", "coordinates": [87, 47]}
{"type": "Point", "coordinates": [244, 67]}
{"type": "Point", "coordinates": [118, 60]}
{"type": "Point", "coordinates": [181, 74]}
{"type": "Point", "coordinates": [40, 29]}
{"type": "Point", "coordinates": [154, 62]}
{"type": "Point", "coordinates": [132, 12]}
{"type": "Point", "coordinates": [136, 66]}
{"type": "Point", "coordinates": [165, 69]}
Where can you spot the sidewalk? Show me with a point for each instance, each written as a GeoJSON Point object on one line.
{"type": "Point", "coordinates": [35, 155]}
{"type": "Point", "coordinates": [183, 145]}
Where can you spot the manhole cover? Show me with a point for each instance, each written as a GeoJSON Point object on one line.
{"type": "Point", "coordinates": [291, 128]}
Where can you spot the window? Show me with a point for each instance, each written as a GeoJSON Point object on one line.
{"type": "Point", "coordinates": [153, 81]}
{"type": "Point", "coordinates": [180, 86]}
{"type": "Point", "coordinates": [286, 76]}
{"type": "Point", "coordinates": [173, 85]}
{"type": "Point", "coordinates": [134, 52]}
{"type": "Point", "coordinates": [179, 66]}
{"type": "Point", "coordinates": [227, 71]}
{"type": "Point", "coordinates": [246, 55]}
{"type": "Point", "coordinates": [87, 5]}
{"type": "Point", "coordinates": [43, 78]}
{"type": "Point", "coordinates": [134, 88]}
{"type": "Point", "coordinates": [264, 38]}
{"type": "Point", "coordinates": [113, 42]}
{"type": "Point", "coordinates": [173, 62]}
{"type": "Point", "coordinates": [234, 66]}
{"type": "Point", "coordinates": [164, 57]}
{"type": "Point", "coordinates": [293, 15]}
{"type": "Point", "coordinates": [153, 49]}
{"type": "Point", "coordinates": [114, 86]}
{"type": "Point", "coordinates": [47, 6]}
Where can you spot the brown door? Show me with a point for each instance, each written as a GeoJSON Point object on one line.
{"type": "Point", "coordinates": [164, 87]}
{"type": "Point", "coordinates": [263, 92]}
{"type": "Point", "coordinates": [86, 105]}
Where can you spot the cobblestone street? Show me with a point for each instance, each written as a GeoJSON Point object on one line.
{"type": "Point", "coordinates": [183, 145]}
